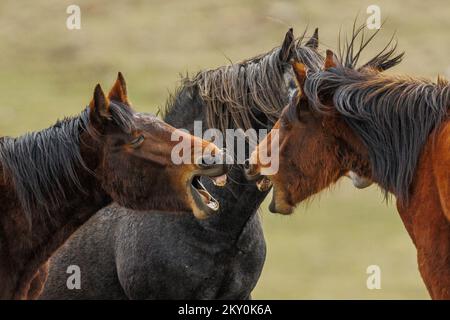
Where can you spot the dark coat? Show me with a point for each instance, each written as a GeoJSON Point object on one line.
{"type": "Point", "coordinates": [125, 254]}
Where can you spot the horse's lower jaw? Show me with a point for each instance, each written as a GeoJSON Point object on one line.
{"type": "Point", "coordinates": [204, 204]}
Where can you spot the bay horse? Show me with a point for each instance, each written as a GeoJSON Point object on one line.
{"type": "Point", "coordinates": [126, 255]}
{"type": "Point", "coordinates": [54, 180]}
{"type": "Point", "coordinates": [394, 130]}
{"type": "Point", "coordinates": [179, 257]}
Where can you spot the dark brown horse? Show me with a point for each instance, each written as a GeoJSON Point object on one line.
{"type": "Point", "coordinates": [53, 180]}
{"type": "Point", "coordinates": [394, 130]}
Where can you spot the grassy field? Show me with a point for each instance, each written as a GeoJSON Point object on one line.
{"type": "Point", "coordinates": [48, 72]}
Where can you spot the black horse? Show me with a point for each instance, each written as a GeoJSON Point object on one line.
{"type": "Point", "coordinates": [123, 254]}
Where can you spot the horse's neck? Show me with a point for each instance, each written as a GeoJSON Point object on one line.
{"type": "Point", "coordinates": [427, 214]}
{"type": "Point", "coordinates": [355, 156]}
{"type": "Point", "coordinates": [79, 205]}
{"type": "Point", "coordinates": [28, 246]}
{"type": "Point", "coordinates": [239, 199]}
{"type": "Point", "coordinates": [430, 188]}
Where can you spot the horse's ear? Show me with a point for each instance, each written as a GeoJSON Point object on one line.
{"type": "Point", "coordinates": [330, 60]}
{"type": "Point", "coordinates": [119, 90]}
{"type": "Point", "coordinates": [313, 42]}
{"type": "Point", "coordinates": [99, 106]}
{"type": "Point", "coordinates": [286, 52]}
{"type": "Point", "coordinates": [300, 74]}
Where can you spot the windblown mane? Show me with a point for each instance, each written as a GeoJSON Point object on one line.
{"type": "Point", "coordinates": [393, 115]}
{"type": "Point", "coordinates": [43, 165]}
{"type": "Point", "coordinates": [233, 95]}
{"type": "Point", "coordinates": [351, 49]}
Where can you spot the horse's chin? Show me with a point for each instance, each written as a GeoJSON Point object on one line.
{"type": "Point", "coordinates": [358, 181]}
{"type": "Point", "coordinates": [280, 206]}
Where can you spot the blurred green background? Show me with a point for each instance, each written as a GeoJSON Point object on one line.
{"type": "Point", "coordinates": [48, 71]}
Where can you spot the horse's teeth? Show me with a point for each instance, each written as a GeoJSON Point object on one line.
{"type": "Point", "coordinates": [264, 184]}
{"type": "Point", "coordinates": [220, 181]}
{"type": "Point", "coordinates": [205, 195]}
{"type": "Point", "coordinates": [213, 205]}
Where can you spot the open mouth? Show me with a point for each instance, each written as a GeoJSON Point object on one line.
{"type": "Point", "coordinates": [264, 184]}
{"type": "Point", "coordinates": [203, 199]}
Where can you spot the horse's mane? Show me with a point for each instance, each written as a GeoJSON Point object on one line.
{"type": "Point", "coordinates": [43, 165]}
{"type": "Point", "coordinates": [393, 115]}
{"type": "Point", "coordinates": [350, 50]}
{"type": "Point", "coordinates": [235, 94]}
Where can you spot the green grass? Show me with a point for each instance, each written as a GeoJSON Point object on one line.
{"type": "Point", "coordinates": [324, 249]}
{"type": "Point", "coordinates": [48, 72]}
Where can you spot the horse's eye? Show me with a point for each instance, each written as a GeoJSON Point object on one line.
{"type": "Point", "coordinates": [136, 143]}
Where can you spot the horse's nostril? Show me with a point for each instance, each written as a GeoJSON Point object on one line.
{"type": "Point", "coordinates": [247, 164]}
{"type": "Point", "coordinates": [208, 161]}
{"type": "Point", "coordinates": [205, 161]}
{"type": "Point", "coordinates": [250, 171]}
{"type": "Point", "coordinates": [226, 158]}
{"type": "Point", "coordinates": [249, 167]}
{"type": "Point", "coordinates": [219, 159]}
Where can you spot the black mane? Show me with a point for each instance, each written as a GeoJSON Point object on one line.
{"type": "Point", "coordinates": [392, 115]}
{"type": "Point", "coordinates": [240, 94]}
{"type": "Point", "coordinates": [43, 165]}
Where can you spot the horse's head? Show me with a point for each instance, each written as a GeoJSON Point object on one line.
{"type": "Point", "coordinates": [137, 163]}
{"type": "Point", "coordinates": [314, 149]}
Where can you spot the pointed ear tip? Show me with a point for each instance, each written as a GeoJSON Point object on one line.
{"type": "Point", "coordinates": [290, 34]}
{"type": "Point", "coordinates": [99, 97]}
{"type": "Point", "coordinates": [120, 78]}
{"type": "Point", "coordinates": [98, 88]}
{"type": "Point", "coordinates": [316, 33]}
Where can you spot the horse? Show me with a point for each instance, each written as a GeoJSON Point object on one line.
{"type": "Point", "coordinates": [54, 180]}
{"type": "Point", "coordinates": [126, 255]}
{"type": "Point", "coordinates": [218, 258]}
{"type": "Point", "coordinates": [391, 129]}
